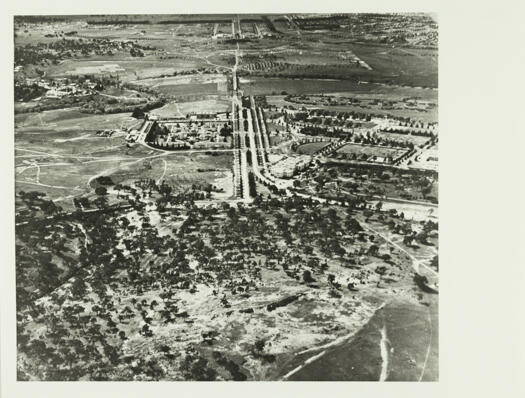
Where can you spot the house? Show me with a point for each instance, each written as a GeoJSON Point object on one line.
{"type": "Point", "coordinates": [55, 93]}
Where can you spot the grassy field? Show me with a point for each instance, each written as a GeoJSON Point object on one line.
{"type": "Point", "coordinates": [415, 67]}
{"type": "Point", "coordinates": [189, 89]}
{"type": "Point", "coordinates": [177, 48]}
{"type": "Point", "coordinates": [411, 330]}
{"type": "Point", "coordinates": [70, 120]}
{"type": "Point", "coordinates": [185, 79]}
{"type": "Point", "coordinates": [181, 170]}
{"type": "Point", "coordinates": [428, 159]}
{"type": "Point", "coordinates": [311, 147]}
{"type": "Point", "coordinates": [275, 86]}
{"type": "Point", "coordinates": [129, 68]}
{"type": "Point", "coordinates": [58, 152]}
{"type": "Point", "coordinates": [178, 109]}
{"type": "Point", "coordinates": [337, 59]}
{"type": "Point", "coordinates": [187, 85]}
{"type": "Point", "coordinates": [65, 176]}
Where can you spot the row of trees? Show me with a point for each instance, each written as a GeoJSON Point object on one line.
{"type": "Point", "coordinates": [99, 104]}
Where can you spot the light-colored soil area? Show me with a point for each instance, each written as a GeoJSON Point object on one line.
{"type": "Point", "coordinates": [427, 159]}
{"type": "Point", "coordinates": [177, 80]}
{"type": "Point", "coordinates": [181, 109]}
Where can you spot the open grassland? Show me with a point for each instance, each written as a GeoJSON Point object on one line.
{"type": "Point", "coordinates": [344, 59]}
{"type": "Point", "coordinates": [58, 152]}
{"type": "Point", "coordinates": [410, 333]}
{"type": "Point", "coordinates": [128, 68]}
{"type": "Point", "coordinates": [70, 120]}
{"type": "Point", "coordinates": [63, 176]}
{"type": "Point", "coordinates": [414, 67]}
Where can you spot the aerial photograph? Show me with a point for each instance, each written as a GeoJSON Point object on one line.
{"type": "Point", "coordinates": [226, 197]}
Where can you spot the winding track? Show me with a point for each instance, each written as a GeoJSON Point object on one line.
{"type": "Point", "coordinates": [415, 262]}
{"type": "Point", "coordinates": [428, 348]}
{"type": "Point", "coordinates": [383, 345]}
{"type": "Point", "coordinates": [163, 172]}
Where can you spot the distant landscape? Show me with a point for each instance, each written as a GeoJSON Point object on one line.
{"type": "Point", "coordinates": [227, 197]}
